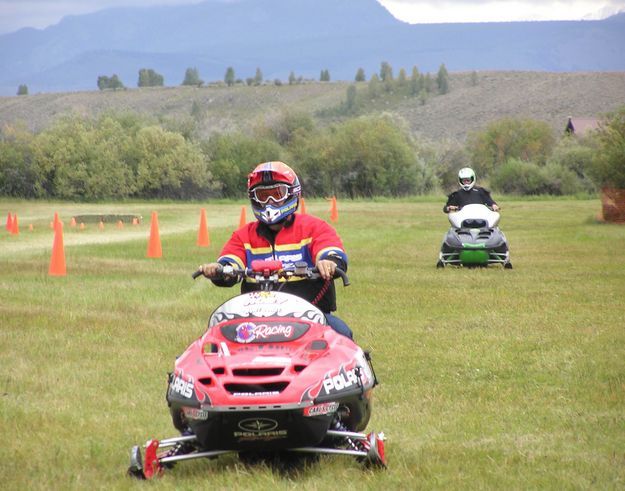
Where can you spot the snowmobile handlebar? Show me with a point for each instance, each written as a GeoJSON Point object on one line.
{"type": "Point", "coordinates": [268, 273]}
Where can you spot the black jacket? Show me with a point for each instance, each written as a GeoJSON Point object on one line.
{"type": "Point", "coordinates": [474, 196]}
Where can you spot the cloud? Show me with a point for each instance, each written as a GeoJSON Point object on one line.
{"type": "Point", "coordinates": [423, 11]}
{"type": "Point", "coordinates": [15, 14]}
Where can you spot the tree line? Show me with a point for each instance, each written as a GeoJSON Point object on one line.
{"type": "Point", "coordinates": [384, 85]}
{"type": "Point", "coordinates": [418, 83]}
{"type": "Point", "coordinates": [148, 77]}
{"type": "Point", "coordinates": [125, 155]}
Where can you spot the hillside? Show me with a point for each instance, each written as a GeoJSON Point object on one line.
{"type": "Point", "coordinates": [278, 36]}
{"type": "Point", "coordinates": [550, 97]}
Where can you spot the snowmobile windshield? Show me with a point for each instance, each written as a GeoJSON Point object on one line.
{"type": "Point", "coordinates": [261, 304]}
{"type": "Point", "coordinates": [475, 212]}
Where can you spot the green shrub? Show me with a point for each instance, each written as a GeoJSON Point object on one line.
{"type": "Point", "coordinates": [232, 156]}
{"type": "Point", "coordinates": [521, 139]}
{"type": "Point", "coordinates": [608, 165]}
{"type": "Point", "coordinates": [168, 166]}
{"type": "Point", "coordinates": [576, 156]}
{"type": "Point", "coordinates": [449, 159]}
{"type": "Point", "coordinates": [20, 176]}
{"type": "Point", "coordinates": [364, 157]}
{"type": "Point", "coordinates": [85, 160]}
{"type": "Point", "coordinates": [560, 181]}
{"type": "Point", "coordinates": [527, 178]}
{"type": "Point", "coordinates": [82, 159]}
{"type": "Point", "coordinates": [517, 177]}
{"type": "Point", "coordinates": [286, 126]}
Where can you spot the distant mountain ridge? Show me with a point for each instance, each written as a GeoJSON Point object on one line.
{"type": "Point", "coordinates": [280, 36]}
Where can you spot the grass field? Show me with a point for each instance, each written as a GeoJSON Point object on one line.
{"type": "Point", "coordinates": [490, 379]}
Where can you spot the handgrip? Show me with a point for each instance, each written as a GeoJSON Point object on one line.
{"type": "Point", "coordinates": [343, 275]}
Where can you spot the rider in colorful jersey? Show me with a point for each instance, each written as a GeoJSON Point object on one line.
{"type": "Point", "coordinates": [279, 233]}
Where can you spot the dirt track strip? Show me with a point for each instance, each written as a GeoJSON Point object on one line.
{"type": "Point", "coordinates": [20, 245]}
{"type": "Point", "coordinates": [42, 238]}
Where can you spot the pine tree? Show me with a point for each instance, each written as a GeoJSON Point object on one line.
{"type": "Point", "coordinates": [258, 78]}
{"type": "Point", "coordinates": [402, 78]}
{"type": "Point", "coordinates": [103, 82]}
{"type": "Point", "coordinates": [149, 78]}
{"type": "Point", "coordinates": [350, 102]}
{"type": "Point", "coordinates": [22, 90]}
{"type": "Point", "coordinates": [192, 77]}
{"type": "Point", "coordinates": [360, 75]}
{"type": "Point", "coordinates": [415, 81]}
{"type": "Point", "coordinates": [386, 72]}
{"type": "Point", "coordinates": [374, 86]}
{"type": "Point", "coordinates": [442, 80]}
{"type": "Point", "coordinates": [428, 83]}
{"type": "Point", "coordinates": [229, 77]}
{"type": "Point", "coordinates": [115, 83]}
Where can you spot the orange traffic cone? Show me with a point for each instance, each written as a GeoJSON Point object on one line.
{"type": "Point", "coordinates": [82, 226]}
{"type": "Point", "coordinates": [72, 222]}
{"type": "Point", "coordinates": [334, 212]}
{"type": "Point", "coordinates": [203, 239]}
{"type": "Point", "coordinates": [120, 224]}
{"type": "Point", "coordinates": [55, 221]}
{"type": "Point", "coordinates": [9, 224]}
{"type": "Point", "coordinates": [135, 221]}
{"type": "Point", "coordinates": [101, 225]}
{"type": "Point", "coordinates": [15, 228]}
{"type": "Point", "coordinates": [31, 227]}
{"type": "Point", "coordinates": [302, 206]}
{"type": "Point", "coordinates": [243, 219]}
{"type": "Point", "coordinates": [154, 245]}
{"type": "Point", "coordinates": [57, 261]}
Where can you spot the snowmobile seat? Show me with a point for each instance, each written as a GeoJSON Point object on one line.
{"type": "Point", "coordinates": [474, 223]}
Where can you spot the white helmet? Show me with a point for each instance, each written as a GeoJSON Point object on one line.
{"type": "Point", "coordinates": [466, 178]}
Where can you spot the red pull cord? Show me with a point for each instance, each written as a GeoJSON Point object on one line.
{"type": "Point", "coordinates": [322, 292]}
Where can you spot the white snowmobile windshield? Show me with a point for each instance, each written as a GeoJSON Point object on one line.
{"type": "Point", "coordinates": [266, 304]}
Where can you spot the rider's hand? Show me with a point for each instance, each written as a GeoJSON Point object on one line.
{"type": "Point", "coordinates": [210, 270]}
{"type": "Point", "coordinates": [452, 208]}
{"type": "Point", "coordinates": [495, 208]}
{"type": "Point", "coordinates": [326, 268]}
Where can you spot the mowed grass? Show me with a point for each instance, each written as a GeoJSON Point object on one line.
{"type": "Point", "coordinates": [490, 378]}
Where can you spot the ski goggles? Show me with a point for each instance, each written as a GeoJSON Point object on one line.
{"type": "Point", "coordinates": [275, 192]}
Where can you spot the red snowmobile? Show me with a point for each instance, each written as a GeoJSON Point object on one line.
{"type": "Point", "coordinates": [269, 376]}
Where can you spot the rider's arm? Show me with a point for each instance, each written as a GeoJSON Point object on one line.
{"type": "Point", "coordinates": [488, 200]}
{"type": "Point", "coordinates": [327, 245]}
{"type": "Point", "coordinates": [452, 203]}
{"type": "Point", "coordinates": [233, 254]}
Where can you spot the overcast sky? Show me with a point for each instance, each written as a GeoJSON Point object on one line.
{"type": "Point", "coordinates": [15, 14]}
